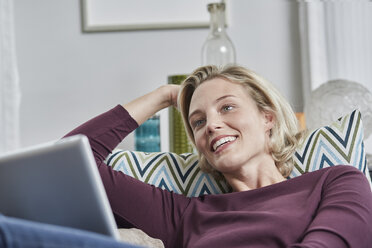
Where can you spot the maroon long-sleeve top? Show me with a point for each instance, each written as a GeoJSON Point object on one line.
{"type": "Point", "coordinates": [330, 207]}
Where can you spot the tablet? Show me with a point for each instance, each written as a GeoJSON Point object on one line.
{"type": "Point", "coordinates": [56, 183]}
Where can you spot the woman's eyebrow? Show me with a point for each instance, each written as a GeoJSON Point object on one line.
{"type": "Point", "coordinates": [216, 101]}
{"type": "Point", "coordinates": [194, 113]}
{"type": "Point", "coordinates": [223, 97]}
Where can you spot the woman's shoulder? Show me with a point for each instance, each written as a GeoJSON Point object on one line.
{"type": "Point", "coordinates": [336, 170]}
{"type": "Point", "coordinates": [337, 175]}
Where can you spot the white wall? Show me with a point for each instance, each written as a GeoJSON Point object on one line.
{"type": "Point", "coordinates": [68, 76]}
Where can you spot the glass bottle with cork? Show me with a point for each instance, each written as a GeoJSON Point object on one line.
{"type": "Point", "coordinates": [218, 49]}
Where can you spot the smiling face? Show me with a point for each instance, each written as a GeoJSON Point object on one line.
{"type": "Point", "coordinates": [228, 128]}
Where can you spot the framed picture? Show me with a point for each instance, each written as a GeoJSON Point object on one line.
{"type": "Point", "coordinates": [119, 15]}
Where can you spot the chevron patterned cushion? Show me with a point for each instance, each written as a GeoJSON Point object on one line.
{"type": "Point", "coordinates": [339, 143]}
{"type": "Point", "coordinates": [170, 171]}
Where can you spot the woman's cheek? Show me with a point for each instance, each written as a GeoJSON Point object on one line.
{"type": "Point", "coordinates": [199, 142]}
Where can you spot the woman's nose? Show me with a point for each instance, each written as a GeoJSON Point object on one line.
{"type": "Point", "coordinates": [213, 123]}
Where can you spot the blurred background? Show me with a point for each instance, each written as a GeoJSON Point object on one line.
{"type": "Point", "coordinates": [67, 76]}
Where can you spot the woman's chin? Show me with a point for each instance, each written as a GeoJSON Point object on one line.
{"type": "Point", "coordinates": [225, 166]}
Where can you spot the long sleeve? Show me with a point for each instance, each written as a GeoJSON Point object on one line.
{"type": "Point", "coordinates": [134, 204]}
{"type": "Point", "coordinates": [106, 131]}
{"type": "Point", "coordinates": [344, 215]}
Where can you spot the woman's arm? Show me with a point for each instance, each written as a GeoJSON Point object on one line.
{"type": "Point", "coordinates": [344, 215]}
{"type": "Point", "coordinates": [114, 125]}
{"type": "Point", "coordinates": [146, 106]}
{"type": "Point", "coordinates": [135, 204]}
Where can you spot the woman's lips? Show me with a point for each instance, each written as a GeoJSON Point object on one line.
{"type": "Point", "coordinates": [220, 141]}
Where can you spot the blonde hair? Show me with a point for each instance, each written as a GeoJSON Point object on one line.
{"type": "Point", "coordinates": [284, 135]}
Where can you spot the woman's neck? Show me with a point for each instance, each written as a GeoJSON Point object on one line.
{"type": "Point", "coordinates": [254, 176]}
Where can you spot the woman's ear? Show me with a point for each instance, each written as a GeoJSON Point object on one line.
{"type": "Point", "coordinates": [269, 120]}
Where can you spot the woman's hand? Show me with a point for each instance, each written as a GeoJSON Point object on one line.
{"type": "Point", "coordinates": [172, 91]}
{"type": "Point", "coordinates": [146, 106]}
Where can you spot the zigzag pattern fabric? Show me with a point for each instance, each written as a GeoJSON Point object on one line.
{"type": "Point", "coordinates": [178, 173]}
{"type": "Point", "coordinates": [339, 143]}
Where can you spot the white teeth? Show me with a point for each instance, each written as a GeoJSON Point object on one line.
{"type": "Point", "coordinates": [223, 141]}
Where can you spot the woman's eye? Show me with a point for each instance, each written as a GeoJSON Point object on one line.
{"type": "Point", "coordinates": [198, 123]}
{"type": "Point", "coordinates": [227, 108]}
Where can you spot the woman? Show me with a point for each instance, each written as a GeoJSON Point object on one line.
{"type": "Point", "coordinates": [245, 132]}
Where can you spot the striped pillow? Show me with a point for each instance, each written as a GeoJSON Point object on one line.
{"type": "Point", "coordinates": [339, 143]}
